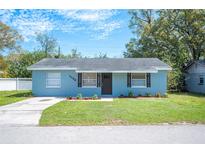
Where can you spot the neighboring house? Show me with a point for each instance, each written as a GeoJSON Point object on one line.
{"type": "Point", "coordinates": [108, 76]}
{"type": "Point", "coordinates": [195, 76]}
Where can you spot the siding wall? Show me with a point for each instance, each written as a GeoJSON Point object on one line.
{"type": "Point", "coordinates": [158, 84]}
{"type": "Point", "coordinates": [69, 86]}
{"type": "Point", "coordinates": [192, 78]}
{"type": "Point", "coordinates": [192, 82]}
{"type": "Point", "coordinates": [119, 85]}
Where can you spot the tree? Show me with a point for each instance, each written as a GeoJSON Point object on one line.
{"type": "Point", "coordinates": [189, 24]}
{"type": "Point", "coordinates": [171, 31]}
{"type": "Point", "coordinates": [74, 54]}
{"type": "Point", "coordinates": [8, 38]}
{"type": "Point", "coordinates": [59, 54]}
{"type": "Point", "coordinates": [18, 63]}
{"type": "Point", "coordinates": [48, 44]}
{"type": "Point", "coordinates": [3, 67]}
{"type": "Point", "coordinates": [101, 55]}
{"type": "Point", "coordinates": [174, 36]}
{"type": "Point", "coordinates": [2, 63]}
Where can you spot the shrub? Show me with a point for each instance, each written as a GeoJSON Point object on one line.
{"type": "Point", "coordinates": [148, 94]}
{"type": "Point", "coordinates": [86, 98]}
{"type": "Point", "coordinates": [130, 94]}
{"type": "Point", "coordinates": [139, 95]}
{"type": "Point", "coordinates": [95, 96]}
{"type": "Point", "coordinates": [70, 97]}
{"type": "Point", "coordinates": [79, 96]}
{"type": "Point", "coordinates": [158, 94]}
{"type": "Point", "coordinates": [166, 95]}
{"type": "Point", "coordinates": [175, 80]}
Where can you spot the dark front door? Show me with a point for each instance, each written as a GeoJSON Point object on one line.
{"type": "Point", "coordinates": [106, 83]}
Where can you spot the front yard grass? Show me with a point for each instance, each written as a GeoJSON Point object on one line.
{"type": "Point", "coordinates": [178, 107]}
{"type": "Point", "coordinates": [8, 97]}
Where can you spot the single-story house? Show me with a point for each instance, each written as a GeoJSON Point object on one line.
{"type": "Point", "coordinates": [194, 76]}
{"type": "Point", "coordinates": [106, 76]}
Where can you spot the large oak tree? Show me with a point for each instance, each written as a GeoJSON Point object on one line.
{"type": "Point", "coordinates": [174, 36]}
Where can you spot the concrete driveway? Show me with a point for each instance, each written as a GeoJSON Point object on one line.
{"type": "Point", "coordinates": [27, 112]}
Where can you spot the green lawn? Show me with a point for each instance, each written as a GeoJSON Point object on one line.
{"type": "Point", "coordinates": [8, 97]}
{"type": "Point", "coordinates": [182, 107]}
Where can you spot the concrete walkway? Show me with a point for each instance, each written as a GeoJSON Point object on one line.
{"type": "Point", "coordinates": [104, 134]}
{"type": "Point", "coordinates": [27, 112]}
{"type": "Point", "coordinates": [106, 99]}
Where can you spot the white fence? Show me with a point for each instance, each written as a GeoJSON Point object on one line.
{"type": "Point", "coordinates": [15, 84]}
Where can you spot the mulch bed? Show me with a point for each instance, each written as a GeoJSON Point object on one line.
{"type": "Point", "coordinates": [84, 98]}
{"type": "Point", "coordinates": [139, 97]}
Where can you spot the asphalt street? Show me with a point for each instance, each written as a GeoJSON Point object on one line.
{"type": "Point", "coordinates": [104, 134]}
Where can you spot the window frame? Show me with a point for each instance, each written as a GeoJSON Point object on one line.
{"type": "Point", "coordinates": [50, 86]}
{"type": "Point", "coordinates": [201, 77]}
{"type": "Point", "coordinates": [89, 79]}
{"type": "Point", "coordinates": [145, 79]}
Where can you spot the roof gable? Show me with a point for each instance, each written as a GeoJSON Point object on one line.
{"type": "Point", "coordinates": [196, 67]}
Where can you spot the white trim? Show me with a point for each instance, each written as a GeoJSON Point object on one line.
{"type": "Point", "coordinates": [98, 71]}
{"type": "Point", "coordinates": [89, 87]}
{"type": "Point", "coordinates": [164, 68]}
{"type": "Point", "coordinates": [145, 74]}
{"type": "Point", "coordinates": [47, 69]}
{"type": "Point", "coordinates": [138, 87]}
{"type": "Point", "coordinates": [89, 79]}
{"type": "Point", "coordinates": [49, 87]}
{"type": "Point", "coordinates": [102, 71]}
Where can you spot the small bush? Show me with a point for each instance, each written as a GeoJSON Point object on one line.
{"type": "Point", "coordinates": [79, 96]}
{"type": "Point", "coordinates": [158, 94]}
{"type": "Point", "coordinates": [139, 95]}
{"type": "Point", "coordinates": [70, 97]}
{"type": "Point", "coordinates": [148, 94]}
{"type": "Point", "coordinates": [130, 94]}
{"type": "Point", "coordinates": [95, 96]}
{"type": "Point", "coordinates": [166, 95]}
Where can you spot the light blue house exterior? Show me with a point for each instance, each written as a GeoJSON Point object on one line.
{"type": "Point", "coordinates": [70, 80]}
{"type": "Point", "coordinates": [195, 76]}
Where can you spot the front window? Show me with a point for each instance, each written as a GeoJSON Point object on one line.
{"type": "Point", "coordinates": [89, 80]}
{"type": "Point", "coordinates": [138, 80]}
{"type": "Point", "coordinates": [53, 80]}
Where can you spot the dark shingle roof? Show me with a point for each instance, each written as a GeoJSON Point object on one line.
{"type": "Point", "coordinates": [104, 64]}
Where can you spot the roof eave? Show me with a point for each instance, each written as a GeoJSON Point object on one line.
{"type": "Point", "coordinates": [104, 71]}
{"type": "Point", "coordinates": [47, 69]}
{"type": "Point", "coordinates": [164, 68]}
